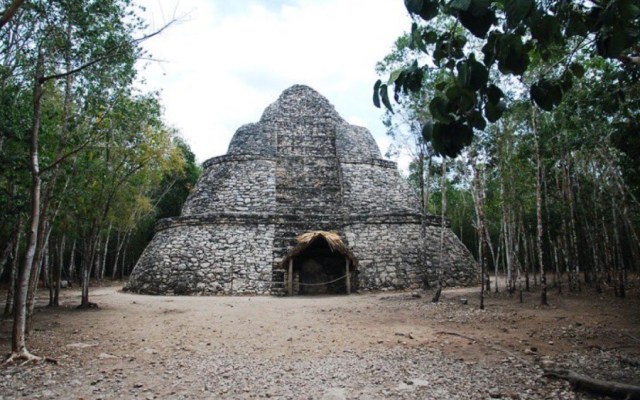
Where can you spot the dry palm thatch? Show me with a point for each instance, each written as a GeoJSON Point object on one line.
{"type": "Point", "coordinates": [332, 238]}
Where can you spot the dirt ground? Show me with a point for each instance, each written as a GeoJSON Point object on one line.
{"type": "Point", "coordinates": [363, 346]}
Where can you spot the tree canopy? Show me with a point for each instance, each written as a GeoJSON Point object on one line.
{"type": "Point", "coordinates": [486, 49]}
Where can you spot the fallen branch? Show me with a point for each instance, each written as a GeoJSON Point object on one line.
{"type": "Point", "coordinates": [456, 334]}
{"type": "Point", "coordinates": [596, 386]}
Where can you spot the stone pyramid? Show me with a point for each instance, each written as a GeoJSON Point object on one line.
{"type": "Point", "coordinates": [301, 168]}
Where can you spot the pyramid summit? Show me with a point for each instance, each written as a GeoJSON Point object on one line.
{"type": "Point", "coordinates": [300, 172]}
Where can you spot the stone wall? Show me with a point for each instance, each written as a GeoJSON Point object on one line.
{"type": "Point", "coordinates": [205, 259]}
{"type": "Point", "coordinates": [355, 143]}
{"type": "Point", "coordinates": [234, 184]}
{"type": "Point", "coordinates": [389, 255]}
{"type": "Point", "coordinates": [459, 268]}
{"type": "Point", "coordinates": [253, 139]}
{"type": "Point", "coordinates": [374, 189]}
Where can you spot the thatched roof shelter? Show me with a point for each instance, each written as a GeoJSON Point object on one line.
{"type": "Point", "coordinates": [332, 238]}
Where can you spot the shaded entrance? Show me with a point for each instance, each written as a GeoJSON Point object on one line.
{"type": "Point", "coordinates": [319, 264]}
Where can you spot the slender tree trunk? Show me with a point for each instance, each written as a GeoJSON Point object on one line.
{"type": "Point", "coordinates": [103, 268]}
{"type": "Point", "coordinates": [97, 259]}
{"type": "Point", "coordinates": [526, 256]}
{"type": "Point", "coordinates": [495, 255]}
{"type": "Point", "coordinates": [88, 260]}
{"type": "Point", "coordinates": [18, 343]}
{"type": "Point", "coordinates": [114, 269]}
{"type": "Point", "coordinates": [481, 231]}
{"type": "Point", "coordinates": [618, 248]}
{"type": "Point", "coordinates": [48, 272]}
{"type": "Point", "coordinates": [427, 184]}
{"type": "Point", "coordinates": [539, 228]}
{"type": "Point", "coordinates": [443, 190]}
{"type": "Point", "coordinates": [127, 237]}
{"type": "Point", "coordinates": [8, 307]}
{"type": "Point", "coordinates": [59, 267]}
{"type": "Point", "coordinates": [575, 271]}
{"type": "Point", "coordinates": [72, 263]}
{"type": "Point", "coordinates": [38, 263]}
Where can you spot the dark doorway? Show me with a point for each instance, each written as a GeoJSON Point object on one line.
{"type": "Point", "coordinates": [318, 270]}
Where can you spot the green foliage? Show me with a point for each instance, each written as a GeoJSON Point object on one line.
{"type": "Point", "coordinates": [106, 156]}
{"type": "Point", "coordinates": [546, 45]}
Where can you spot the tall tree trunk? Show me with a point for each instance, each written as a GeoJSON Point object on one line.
{"type": "Point", "coordinates": [72, 263]}
{"type": "Point", "coordinates": [59, 267]}
{"type": "Point", "coordinates": [8, 307]}
{"type": "Point", "coordinates": [103, 267]}
{"type": "Point", "coordinates": [38, 262]}
{"type": "Point", "coordinates": [18, 342]}
{"type": "Point", "coordinates": [575, 271]}
{"type": "Point", "coordinates": [479, 190]}
{"type": "Point", "coordinates": [618, 249]}
{"type": "Point", "coordinates": [88, 260]}
{"type": "Point", "coordinates": [427, 184]}
{"type": "Point", "coordinates": [443, 212]}
{"type": "Point", "coordinates": [539, 227]}
{"type": "Point", "coordinates": [48, 272]}
{"type": "Point", "coordinates": [114, 269]}
{"type": "Point", "coordinates": [96, 260]}
{"type": "Point", "coordinates": [526, 255]}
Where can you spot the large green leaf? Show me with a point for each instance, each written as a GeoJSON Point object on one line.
{"type": "Point", "coordinates": [394, 76]}
{"type": "Point", "coordinates": [413, 6]}
{"type": "Point", "coordinates": [384, 94]}
{"type": "Point", "coordinates": [493, 112]}
{"type": "Point", "coordinates": [517, 10]}
{"type": "Point", "coordinates": [478, 20]}
{"type": "Point", "coordinates": [427, 9]}
{"type": "Point", "coordinates": [438, 110]}
{"type": "Point", "coordinates": [546, 30]}
{"type": "Point", "coordinates": [611, 43]}
{"type": "Point", "coordinates": [461, 5]}
{"type": "Point", "coordinates": [577, 25]}
{"type": "Point", "coordinates": [494, 94]}
{"type": "Point", "coordinates": [376, 93]}
{"type": "Point", "coordinates": [427, 131]}
{"type": "Point", "coordinates": [449, 139]}
{"type": "Point", "coordinates": [472, 74]}
{"type": "Point", "coordinates": [512, 55]}
{"type": "Point", "coordinates": [546, 94]}
{"type": "Point", "coordinates": [477, 120]}
{"type": "Point", "coordinates": [417, 41]}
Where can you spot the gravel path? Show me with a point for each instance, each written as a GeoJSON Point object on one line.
{"type": "Point", "coordinates": [371, 346]}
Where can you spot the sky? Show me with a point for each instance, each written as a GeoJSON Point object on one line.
{"type": "Point", "coordinates": [225, 61]}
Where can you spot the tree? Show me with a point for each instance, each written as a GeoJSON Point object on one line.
{"type": "Point", "coordinates": [514, 35]}
{"type": "Point", "coordinates": [47, 42]}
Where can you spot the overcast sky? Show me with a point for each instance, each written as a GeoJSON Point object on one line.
{"type": "Point", "coordinates": [227, 60]}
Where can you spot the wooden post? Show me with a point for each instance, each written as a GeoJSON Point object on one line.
{"type": "Point", "coordinates": [290, 277]}
{"type": "Point", "coordinates": [348, 276]}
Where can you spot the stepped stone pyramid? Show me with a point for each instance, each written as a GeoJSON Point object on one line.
{"type": "Point", "coordinates": [301, 168]}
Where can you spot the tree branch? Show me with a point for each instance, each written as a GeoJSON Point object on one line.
{"type": "Point", "coordinates": [109, 53]}
{"type": "Point", "coordinates": [10, 12]}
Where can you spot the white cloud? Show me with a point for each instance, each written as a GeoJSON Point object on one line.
{"type": "Point", "coordinates": [229, 60]}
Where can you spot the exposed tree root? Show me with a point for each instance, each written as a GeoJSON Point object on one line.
{"type": "Point", "coordinates": [27, 357]}
{"type": "Point", "coordinates": [596, 386]}
{"type": "Point", "coordinates": [87, 306]}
